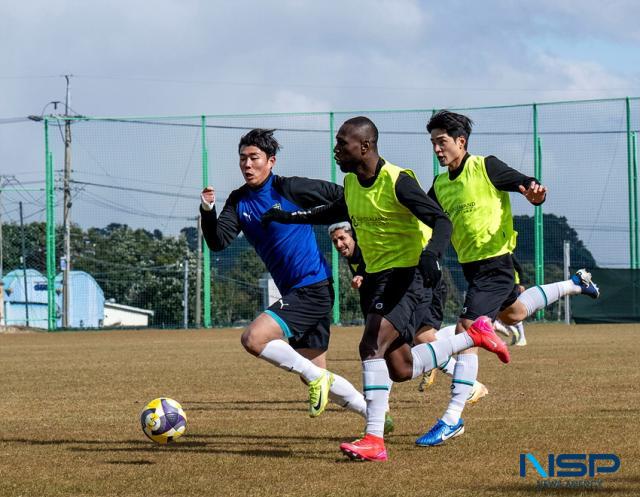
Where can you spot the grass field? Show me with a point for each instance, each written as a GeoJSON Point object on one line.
{"type": "Point", "coordinates": [70, 402]}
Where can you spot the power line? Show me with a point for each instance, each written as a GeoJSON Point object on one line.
{"type": "Point", "coordinates": [13, 120]}
{"type": "Point", "coordinates": [108, 204]}
{"type": "Point", "coordinates": [492, 89]}
{"type": "Point", "coordinates": [128, 189]}
{"type": "Point", "coordinates": [184, 177]}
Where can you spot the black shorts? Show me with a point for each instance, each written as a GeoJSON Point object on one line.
{"type": "Point", "coordinates": [304, 314]}
{"type": "Point", "coordinates": [431, 313]}
{"type": "Point", "coordinates": [395, 294]}
{"type": "Point", "coordinates": [491, 287]}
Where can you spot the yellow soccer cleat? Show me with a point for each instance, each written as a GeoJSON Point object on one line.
{"type": "Point", "coordinates": [427, 380]}
{"type": "Point", "coordinates": [477, 392]}
{"type": "Point", "coordinates": [319, 394]}
{"type": "Point", "coordinates": [389, 425]}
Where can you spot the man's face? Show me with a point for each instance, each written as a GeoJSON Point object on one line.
{"type": "Point", "coordinates": [449, 151]}
{"type": "Point", "coordinates": [348, 151]}
{"type": "Point", "coordinates": [255, 165]}
{"type": "Point", "coordinates": [343, 242]}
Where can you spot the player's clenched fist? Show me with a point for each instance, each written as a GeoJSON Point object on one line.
{"type": "Point", "coordinates": [208, 198]}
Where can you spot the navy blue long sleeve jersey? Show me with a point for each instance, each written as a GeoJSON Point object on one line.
{"type": "Point", "coordinates": [290, 251]}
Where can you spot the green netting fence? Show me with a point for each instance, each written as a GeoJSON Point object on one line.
{"type": "Point", "coordinates": [134, 190]}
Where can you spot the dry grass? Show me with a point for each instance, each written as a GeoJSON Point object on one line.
{"type": "Point", "coordinates": [70, 403]}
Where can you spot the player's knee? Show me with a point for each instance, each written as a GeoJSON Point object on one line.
{"type": "Point", "coordinates": [401, 373]}
{"type": "Point", "coordinates": [425, 335]}
{"type": "Point", "coordinates": [251, 342]}
{"type": "Point", "coordinates": [514, 313]}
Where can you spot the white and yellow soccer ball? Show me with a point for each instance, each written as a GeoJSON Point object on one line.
{"type": "Point", "coordinates": [163, 420]}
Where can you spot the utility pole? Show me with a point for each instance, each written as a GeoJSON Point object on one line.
{"type": "Point", "coordinates": [1, 242]}
{"type": "Point", "coordinates": [66, 294]}
{"type": "Point", "coordinates": [1, 259]}
{"type": "Point", "coordinates": [199, 276]}
{"type": "Point", "coordinates": [4, 181]}
{"type": "Point", "coordinates": [185, 296]}
{"type": "Point", "coordinates": [24, 267]}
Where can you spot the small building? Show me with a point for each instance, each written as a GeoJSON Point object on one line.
{"type": "Point", "coordinates": [86, 309]}
{"type": "Point", "coordinates": [125, 315]}
{"type": "Point", "coordinates": [269, 290]}
{"type": "Point", "coordinates": [24, 308]}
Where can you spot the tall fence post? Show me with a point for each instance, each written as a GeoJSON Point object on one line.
{"type": "Point", "coordinates": [185, 294]}
{"type": "Point", "coordinates": [538, 217]}
{"type": "Point", "coordinates": [633, 199]}
{"type": "Point", "coordinates": [198, 317]}
{"type": "Point", "coordinates": [335, 260]}
{"type": "Point", "coordinates": [567, 263]}
{"type": "Point", "coordinates": [50, 241]}
{"type": "Point", "coordinates": [206, 258]}
{"type": "Point", "coordinates": [633, 262]}
{"type": "Point", "coordinates": [23, 260]}
{"type": "Point", "coordinates": [434, 157]}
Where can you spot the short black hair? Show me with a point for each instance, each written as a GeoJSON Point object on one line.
{"type": "Point", "coordinates": [261, 138]}
{"type": "Point", "coordinates": [454, 124]}
{"type": "Point", "coordinates": [365, 126]}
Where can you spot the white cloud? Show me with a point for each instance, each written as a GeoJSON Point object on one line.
{"type": "Point", "coordinates": [295, 102]}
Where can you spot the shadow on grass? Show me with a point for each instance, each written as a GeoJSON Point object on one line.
{"type": "Point", "coordinates": [236, 447]}
{"type": "Point", "coordinates": [206, 449]}
{"type": "Point", "coordinates": [133, 463]}
{"type": "Point", "coordinates": [60, 441]}
{"type": "Point", "coordinates": [277, 405]}
{"type": "Point", "coordinates": [247, 405]}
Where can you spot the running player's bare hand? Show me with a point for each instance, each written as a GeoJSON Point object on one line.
{"type": "Point", "coordinates": [208, 198]}
{"type": "Point", "coordinates": [356, 282]}
{"type": "Point", "coordinates": [536, 193]}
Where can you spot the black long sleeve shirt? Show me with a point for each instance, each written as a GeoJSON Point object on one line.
{"type": "Point", "coordinates": [409, 194]}
{"type": "Point", "coordinates": [503, 177]}
{"type": "Point", "coordinates": [357, 266]}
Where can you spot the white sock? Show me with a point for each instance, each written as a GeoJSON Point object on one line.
{"type": "Point", "coordinates": [520, 328]}
{"type": "Point", "coordinates": [464, 376]}
{"type": "Point", "coordinates": [284, 356]}
{"type": "Point", "coordinates": [446, 332]}
{"type": "Point", "coordinates": [375, 383]}
{"type": "Point", "coordinates": [449, 366]}
{"type": "Point", "coordinates": [538, 297]}
{"type": "Point", "coordinates": [427, 356]}
{"type": "Point", "coordinates": [389, 396]}
{"type": "Point", "coordinates": [344, 394]}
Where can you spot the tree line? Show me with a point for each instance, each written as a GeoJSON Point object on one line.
{"type": "Point", "coordinates": [143, 268]}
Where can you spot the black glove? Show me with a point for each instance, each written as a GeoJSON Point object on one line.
{"type": "Point", "coordinates": [275, 214]}
{"type": "Point", "coordinates": [429, 267]}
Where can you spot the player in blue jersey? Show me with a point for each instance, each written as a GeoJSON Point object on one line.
{"type": "Point", "coordinates": [292, 256]}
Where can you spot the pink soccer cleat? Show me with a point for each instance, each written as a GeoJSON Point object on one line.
{"type": "Point", "coordinates": [368, 448]}
{"type": "Point", "coordinates": [482, 334]}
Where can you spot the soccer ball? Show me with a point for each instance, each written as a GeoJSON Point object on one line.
{"type": "Point", "coordinates": [163, 420]}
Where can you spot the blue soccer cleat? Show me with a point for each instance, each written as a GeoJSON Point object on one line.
{"type": "Point", "coordinates": [439, 433]}
{"type": "Point", "coordinates": [582, 278]}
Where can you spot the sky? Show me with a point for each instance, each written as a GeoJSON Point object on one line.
{"type": "Point", "coordinates": [192, 57]}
